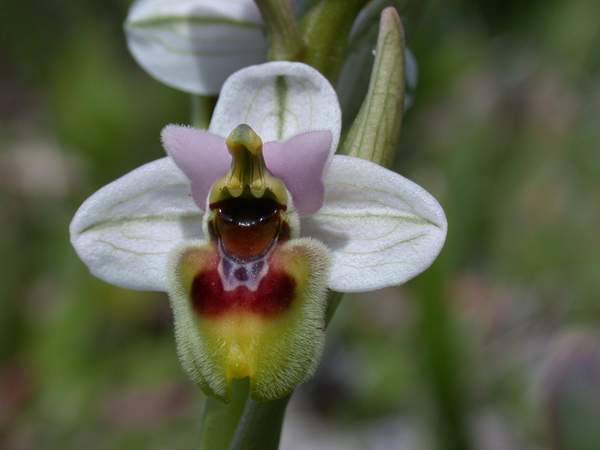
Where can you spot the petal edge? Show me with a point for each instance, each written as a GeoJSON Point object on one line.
{"type": "Point", "coordinates": [278, 100]}
{"type": "Point", "coordinates": [125, 231]}
{"type": "Point", "coordinates": [382, 228]}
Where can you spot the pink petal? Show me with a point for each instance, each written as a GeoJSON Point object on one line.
{"type": "Point", "coordinates": [299, 162]}
{"type": "Point", "coordinates": [201, 156]}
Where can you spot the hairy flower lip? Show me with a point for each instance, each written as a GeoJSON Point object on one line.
{"type": "Point", "coordinates": [273, 335]}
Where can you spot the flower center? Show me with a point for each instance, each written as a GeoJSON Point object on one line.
{"type": "Point", "coordinates": [248, 213]}
{"type": "Point", "coordinates": [248, 176]}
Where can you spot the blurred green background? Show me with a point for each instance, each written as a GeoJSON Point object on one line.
{"type": "Point", "coordinates": [504, 131]}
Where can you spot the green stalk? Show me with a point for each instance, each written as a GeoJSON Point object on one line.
{"type": "Point", "coordinates": [283, 36]}
{"type": "Point", "coordinates": [442, 360]}
{"type": "Point", "coordinates": [260, 425]}
{"type": "Point", "coordinates": [220, 419]}
{"type": "Point", "coordinates": [325, 29]}
{"type": "Point", "coordinates": [202, 108]}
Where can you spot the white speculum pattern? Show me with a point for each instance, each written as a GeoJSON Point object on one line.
{"type": "Point", "coordinates": [235, 272]}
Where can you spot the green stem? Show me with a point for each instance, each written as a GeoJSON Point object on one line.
{"type": "Point", "coordinates": [260, 425]}
{"type": "Point", "coordinates": [284, 39]}
{"type": "Point", "coordinates": [325, 29]}
{"type": "Point", "coordinates": [220, 419]}
{"type": "Point", "coordinates": [202, 108]}
{"type": "Point", "coordinates": [443, 361]}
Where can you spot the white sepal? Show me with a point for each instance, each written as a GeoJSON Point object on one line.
{"type": "Point", "coordinates": [125, 231]}
{"type": "Point", "coordinates": [194, 45]}
{"type": "Point", "coordinates": [278, 100]}
{"type": "Point", "coordinates": [381, 228]}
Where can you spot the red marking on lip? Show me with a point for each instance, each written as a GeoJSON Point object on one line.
{"type": "Point", "coordinates": [273, 296]}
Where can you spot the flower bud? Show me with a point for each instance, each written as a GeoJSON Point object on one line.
{"type": "Point", "coordinates": [353, 82]}
{"type": "Point", "coordinates": [375, 130]}
{"type": "Point", "coordinates": [195, 45]}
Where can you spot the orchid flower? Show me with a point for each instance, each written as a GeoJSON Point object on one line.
{"type": "Point", "coordinates": [245, 225]}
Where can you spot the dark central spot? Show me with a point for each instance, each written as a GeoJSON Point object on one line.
{"type": "Point", "coordinates": [241, 274]}
{"type": "Point", "coordinates": [247, 226]}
